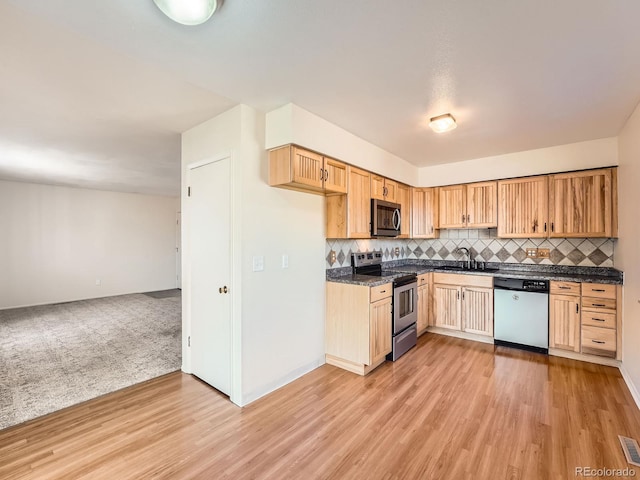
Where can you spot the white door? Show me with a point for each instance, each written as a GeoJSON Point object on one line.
{"type": "Point", "coordinates": [210, 265]}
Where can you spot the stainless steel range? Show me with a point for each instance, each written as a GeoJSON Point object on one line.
{"type": "Point", "coordinates": [405, 315]}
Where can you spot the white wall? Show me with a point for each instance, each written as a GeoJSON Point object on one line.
{"type": "Point", "coordinates": [278, 316]}
{"type": "Point", "coordinates": [574, 156]}
{"type": "Point", "coordinates": [292, 124]}
{"type": "Point", "coordinates": [56, 241]}
{"type": "Point", "coordinates": [627, 253]}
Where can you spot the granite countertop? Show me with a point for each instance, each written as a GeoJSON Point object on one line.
{"type": "Point", "coordinates": [399, 268]}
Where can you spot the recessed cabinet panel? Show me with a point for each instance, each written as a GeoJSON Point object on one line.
{"type": "Point", "coordinates": [477, 310]}
{"type": "Point", "coordinates": [482, 205]}
{"type": "Point", "coordinates": [335, 176]}
{"type": "Point", "coordinates": [522, 207]}
{"type": "Point", "coordinates": [564, 322]}
{"type": "Point", "coordinates": [403, 197]}
{"type": "Point", "coordinates": [452, 210]}
{"type": "Point", "coordinates": [447, 308]}
{"type": "Point", "coordinates": [424, 217]}
{"type": "Point", "coordinates": [580, 204]}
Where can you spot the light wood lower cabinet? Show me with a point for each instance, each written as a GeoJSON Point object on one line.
{"type": "Point", "coordinates": [564, 322]}
{"type": "Point", "coordinates": [463, 302]}
{"type": "Point", "coordinates": [477, 310]}
{"type": "Point", "coordinates": [380, 318]}
{"type": "Point", "coordinates": [358, 326]}
{"type": "Point", "coordinates": [424, 302]}
{"type": "Point", "coordinates": [585, 318]}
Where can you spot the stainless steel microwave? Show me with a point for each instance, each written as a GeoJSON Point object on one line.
{"type": "Point", "coordinates": [385, 218]}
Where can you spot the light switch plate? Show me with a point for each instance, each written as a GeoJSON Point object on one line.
{"type": "Point", "coordinates": [258, 263]}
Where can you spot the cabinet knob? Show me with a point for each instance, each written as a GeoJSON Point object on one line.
{"type": "Point", "coordinates": [223, 289]}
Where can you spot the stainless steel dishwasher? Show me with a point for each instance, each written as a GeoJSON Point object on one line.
{"type": "Point", "coordinates": [521, 314]}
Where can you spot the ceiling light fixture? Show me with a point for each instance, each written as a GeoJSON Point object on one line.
{"type": "Point", "coordinates": [443, 123]}
{"type": "Point", "coordinates": [188, 12]}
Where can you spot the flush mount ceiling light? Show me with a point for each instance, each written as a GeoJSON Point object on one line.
{"type": "Point", "coordinates": [188, 12]}
{"type": "Point", "coordinates": [443, 123]}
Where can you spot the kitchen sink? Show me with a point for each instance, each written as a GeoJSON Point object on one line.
{"type": "Point", "coordinates": [457, 268]}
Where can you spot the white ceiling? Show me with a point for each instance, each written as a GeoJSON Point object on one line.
{"type": "Point", "coordinates": [102, 89]}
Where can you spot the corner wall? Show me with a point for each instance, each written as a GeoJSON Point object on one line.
{"type": "Point", "coordinates": [627, 252]}
{"type": "Point", "coordinates": [278, 313]}
{"type": "Point", "coordinates": [58, 241]}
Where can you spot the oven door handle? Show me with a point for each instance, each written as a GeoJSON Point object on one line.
{"type": "Point", "coordinates": [396, 219]}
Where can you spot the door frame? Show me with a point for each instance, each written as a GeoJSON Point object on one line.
{"type": "Point", "coordinates": [234, 280]}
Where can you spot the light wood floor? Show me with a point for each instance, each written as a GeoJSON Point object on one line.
{"type": "Point", "coordinates": [448, 409]}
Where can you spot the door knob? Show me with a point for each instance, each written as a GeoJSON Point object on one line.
{"type": "Point", "coordinates": [223, 289]}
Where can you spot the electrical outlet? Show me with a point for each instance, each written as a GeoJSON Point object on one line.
{"type": "Point", "coordinates": [332, 257]}
{"type": "Point", "coordinates": [532, 252]}
{"type": "Point", "coordinates": [543, 253]}
{"type": "Point", "coordinates": [397, 251]}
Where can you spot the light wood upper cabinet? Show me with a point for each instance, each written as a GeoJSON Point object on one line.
{"type": "Point", "coordinates": [424, 218]}
{"type": "Point", "coordinates": [564, 322]}
{"type": "Point", "coordinates": [523, 207]}
{"type": "Point", "coordinates": [482, 205]}
{"type": "Point", "coordinates": [335, 176]}
{"type": "Point", "coordinates": [581, 204]}
{"type": "Point", "coordinates": [380, 319]}
{"type": "Point", "coordinates": [383, 188]}
{"type": "Point", "coordinates": [468, 206]}
{"type": "Point", "coordinates": [349, 216]}
{"type": "Point", "coordinates": [452, 210]}
{"type": "Point", "coordinates": [299, 169]}
{"type": "Point", "coordinates": [403, 197]}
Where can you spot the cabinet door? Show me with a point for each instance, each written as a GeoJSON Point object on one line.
{"type": "Point", "coordinates": [580, 204]}
{"type": "Point", "coordinates": [377, 187]}
{"type": "Point", "coordinates": [482, 202]}
{"type": "Point", "coordinates": [477, 310]}
{"type": "Point", "coordinates": [380, 318]}
{"type": "Point", "coordinates": [447, 306]}
{"type": "Point", "coordinates": [404, 199]}
{"type": "Point", "coordinates": [424, 213]}
{"type": "Point", "coordinates": [564, 322]}
{"type": "Point", "coordinates": [453, 208]}
{"type": "Point", "coordinates": [522, 207]}
{"type": "Point", "coordinates": [335, 176]}
{"type": "Point", "coordinates": [308, 167]}
{"type": "Point", "coordinates": [390, 190]}
{"type": "Point", "coordinates": [423, 308]}
{"type": "Point", "coordinates": [359, 204]}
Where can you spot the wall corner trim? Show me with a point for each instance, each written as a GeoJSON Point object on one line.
{"type": "Point", "coordinates": [632, 388]}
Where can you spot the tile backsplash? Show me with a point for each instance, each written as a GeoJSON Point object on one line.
{"type": "Point", "coordinates": [483, 245]}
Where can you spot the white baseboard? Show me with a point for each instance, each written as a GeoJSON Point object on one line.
{"type": "Point", "coordinates": [632, 388]}
{"type": "Point", "coordinates": [281, 382]}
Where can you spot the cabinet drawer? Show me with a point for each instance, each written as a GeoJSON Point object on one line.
{"type": "Point", "coordinates": [592, 303]}
{"type": "Point", "coordinates": [564, 288]}
{"type": "Point", "coordinates": [599, 341]}
{"type": "Point", "coordinates": [423, 279]}
{"type": "Point", "coordinates": [381, 291]}
{"type": "Point", "coordinates": [598, 319]}
{"type": "Point", "coordinates": [598, 290]}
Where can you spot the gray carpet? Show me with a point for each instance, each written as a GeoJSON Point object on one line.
{"type": "Point", "coordinates": [54, 356]}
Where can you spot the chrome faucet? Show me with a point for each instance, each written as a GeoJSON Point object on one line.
{"type": "Point", "coordinates": [467, 254]}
